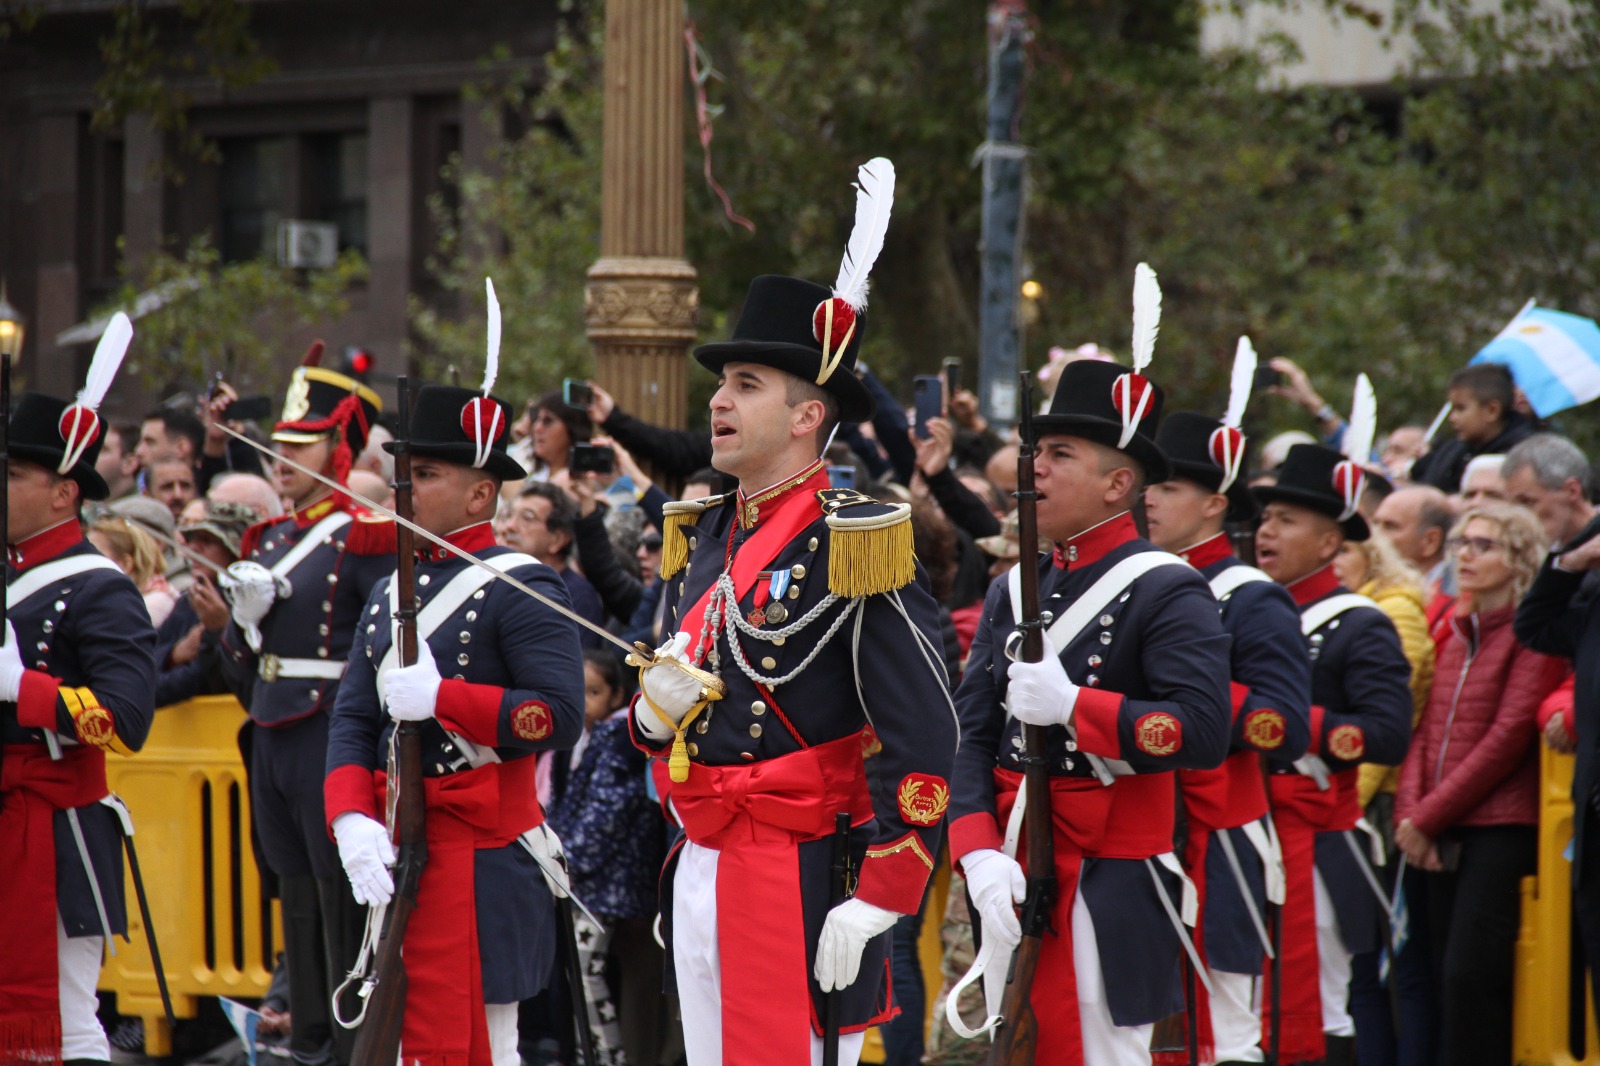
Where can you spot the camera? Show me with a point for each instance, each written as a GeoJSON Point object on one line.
{"type": "Point", "coordinates": [592, 458]}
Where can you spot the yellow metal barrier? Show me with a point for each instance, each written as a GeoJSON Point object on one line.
{"type": "Point", "coordinates": [191, 814]}
{"type": "Point", "coordinates": [1542, 1034]}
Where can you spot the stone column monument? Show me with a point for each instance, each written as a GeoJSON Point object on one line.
{"type": "Point", "coordinates": [642, 301]}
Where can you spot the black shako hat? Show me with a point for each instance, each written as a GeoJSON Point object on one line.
{"type": "Point", "coordinates": [1201, 449]}
{"type": "Point", "coordinates": [42, 432]}
{"type": "Point", "coordinates": [320, 402]}
{"type": "Point", "coordinates": [1110, 405]}
{"type": "Point", "coordinates": [784, 324]}
{"type": "Point", "coordinates": [462, 426]}
{"type": "Point", "coordinates": [1324, 481]}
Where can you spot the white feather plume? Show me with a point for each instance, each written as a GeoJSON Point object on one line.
{"type": "Point", "coordinates": [107, 359]}
{"type": "Point", "coordinates": [1146, 316]}
{"type": "Point", "coordinates": [1363, 427]}
{"type": "Point", "coordinates": [874, 200]}
{"type": "Point", "coordinates": [491, 366]}
{"type": "Point", "coordinates": [1244, 372]}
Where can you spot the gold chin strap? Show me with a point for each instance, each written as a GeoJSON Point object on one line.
{"type": "Point", "coordinates": [712, 688]}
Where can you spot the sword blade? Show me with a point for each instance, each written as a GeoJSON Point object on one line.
{"type": "Point", "coordinates": [379, 508]}
{"type": "Point", "coordinates": [1244, 888]}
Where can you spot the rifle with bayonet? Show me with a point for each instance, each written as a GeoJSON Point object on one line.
{"type": "Point", "coordinates": [378, 1042]}
{"type": "Point", "coordinates": [1016, 1037]}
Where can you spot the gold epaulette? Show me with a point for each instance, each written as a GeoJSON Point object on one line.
{"type": "Point", "coordinates": [674, 545]}
{"type": "Point", "coordinates": [870, 548]}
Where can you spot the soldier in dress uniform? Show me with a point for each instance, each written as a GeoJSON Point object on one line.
{"type": "Point", "coordinates": [77, 680]}
{"type": "Point", "coordinates": [1133, 685]}
{"type": "Point", "coordinates": [498, 678]}
{"type": "Point", "coordinates": [809, 604]}
{"type": "Point", "coordinates": [1360, 711]}
{"type": "Point", "coordinates": [1232, 853]}
{"type": "Point", "coordinates": [296, 594]}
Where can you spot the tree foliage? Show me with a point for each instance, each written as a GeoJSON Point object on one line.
{"type": "Point", "coordinates": [531, 221]}
{"type": "Point", "coordinates": [229, 317]}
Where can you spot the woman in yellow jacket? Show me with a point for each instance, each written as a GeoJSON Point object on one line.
{"type": "Point", "coordinates": [1375, 569]}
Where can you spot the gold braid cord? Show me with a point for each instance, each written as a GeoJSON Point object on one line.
{"type": "Point", "coordinates": [712, 688]}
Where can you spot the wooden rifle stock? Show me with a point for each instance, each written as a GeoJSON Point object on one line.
{"type": "Point", "coordinates": [1016, 1037]}
{"type": "Point", "coordinates": [378, 1042]}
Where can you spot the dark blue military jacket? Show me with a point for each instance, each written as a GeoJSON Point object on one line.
{"type": "Point", "coordinates": [1361, 712]}
{"type": "Point", "coordinates": [317, 621]}
{"type": "Point", "coordinates": [513, 682]}
{"type": "Point", "coordinates": [881, 669]}
{"type": "Point", "coordinates": [92, 632]}
{"type": "Point", "coordinates": [1271, 675]}
{"type": "Point", "coordinates": [1154, 666]}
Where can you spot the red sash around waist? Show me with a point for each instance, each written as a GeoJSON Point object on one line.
{"type": "Point", "coordinates": [488, 807]}
{"type": "Point", "coordinates": [1300, 810]}
{"type": "Point", "coordinates": [1227, 797]}
{"type": "Point", "coordinates": [32, 788]}
{"type": "Point", "coordinates": [1130, 819]}
{"type": "Point", "coordinates": [755, 816]}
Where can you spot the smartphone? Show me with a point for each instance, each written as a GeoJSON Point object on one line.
{"type": "Point", "coordinates": [595, 458]}
{"type": "Point", "coordinates": [927, 395]}
{"type": "Point", "coordinates": [842, 477]}
{"type": "Point", "coordinates": [248, 409]}
{"type": "Point", "coordinates": [575, 392]}
{"type": "Point", "coordinates": [1265, 378]}
{"type": "Point", "coordinates": [952, 377]}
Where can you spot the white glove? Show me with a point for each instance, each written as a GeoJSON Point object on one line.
{"type": "Point", "coordinates": [11, 668]}
{"type": "Point", "coordinates": [997, 884]}
{"type": "Point", "coordinates": [365, 850]}
{"type": "Point", "coordinates": [252, 590]}
{"type": "Point", "coordinates": [669, 688]}
{"type": "Point", "coordinates": [844, 937]}
{"type": "Point", "coordinates": [1041, 693]}
{"type": "Point", "coordinates": [546, 849]}
{"type": "Point", "coordinates": [412, 692]}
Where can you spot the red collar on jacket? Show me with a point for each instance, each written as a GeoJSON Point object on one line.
{"type": "Point", "coordinates": [1094, 543]}
{"type": "Point", "coordinates": [46, 544]}
{"type": "Point", "coordinates": [471, 539]}
{"type": "Point", "coordinates": [752, 509]}
{"type": "Point", "coordinates": [1211, 550]}
{"type": "Point", "coordinates": [1314, 586]}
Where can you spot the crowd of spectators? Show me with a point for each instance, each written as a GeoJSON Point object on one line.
{"type": "Point", "coordinates": [1462, 527]}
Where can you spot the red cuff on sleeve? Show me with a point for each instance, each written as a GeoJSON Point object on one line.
{"type": "Point", "coordinates": [1096, 714]}
{"type": "Point", "coordinates": [1239, 694]}
{"type": "Point", "coordinates": [349, 788]}
{"type": "Point", "coordinates": [36, 700]}
{"type": "Point", "coordinates": [972, 832]}
{"type": "Point", "coordinates": [1317, 713]}
{"type": "Point", "coordinates": [641, 740]}
{"type": "Point", "coordinates": [471, 709]}
{"type": "Point", "coordinates": [894, 875]}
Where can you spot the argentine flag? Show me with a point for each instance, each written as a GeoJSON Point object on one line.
{"type": "Point", "coordinates": [244, 1022]}
{"type": "Point", "coordinates": [1553, 356]}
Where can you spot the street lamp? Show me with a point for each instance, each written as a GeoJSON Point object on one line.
{"type": "Point", "coordinates": [12, 327]}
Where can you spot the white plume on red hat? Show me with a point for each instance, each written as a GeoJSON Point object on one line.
{"type": "Point", "coordinates": [833, 323]}
{"type": "Point", "coordinates": [80, 423]}
{"type": "Point", "coordinates": [1131, 393]}
{"type": "Point", "coordinates": [482, 418]}
{"type": "Point", "coordinates": [1348, 476]}
{"type": "Point", "coordinates": [1226, 446]}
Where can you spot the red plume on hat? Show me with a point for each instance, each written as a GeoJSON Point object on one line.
{"type": "Point", "coordinates": [1348, 476]}
{"type": "Point", "coordinates": [482, 419]}
{"type": "Point", "coordinates": [80, 423]}
{"type": "Point", "coordinates": [834, 321]}
{"type": "Point", "coordinates": [313, 356]}
{"type": "Point", "coordinates": [1131, 392]}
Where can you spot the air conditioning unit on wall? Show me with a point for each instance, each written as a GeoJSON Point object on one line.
{"type": "Point", "coordinates": [311, 245]}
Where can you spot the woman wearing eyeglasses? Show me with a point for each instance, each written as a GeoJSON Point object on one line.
{"type": "Point", "coordinates": [1467, 807]}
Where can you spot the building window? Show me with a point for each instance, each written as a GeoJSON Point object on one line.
{"type": "Point", "coordinates": [336, 185]}
{"type": "Point", "coordinates": [255, 195]}
{"type": "Point", "coordinates": [265, 180]}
